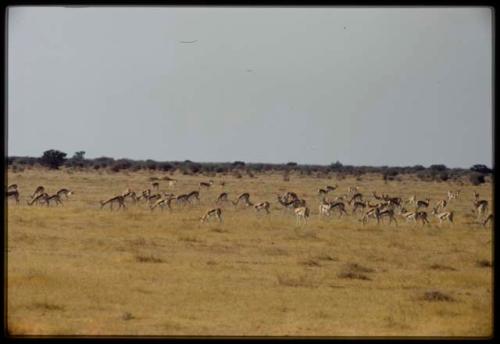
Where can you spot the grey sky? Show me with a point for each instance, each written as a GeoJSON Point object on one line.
{"type": "Point", "coordinates": [365, 86]}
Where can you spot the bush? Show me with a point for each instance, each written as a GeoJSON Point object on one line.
{"type": "Point", "coordinates": [151, 164]}
{"type": "Point", "coordinates": [122, 164]}
{"type": "Point", "coordinates": [102, 162]}
{"type": "Point", "coordinates": [438, 167]}
{"type": "Point", "coordinates": [53, 159]}
{"type": "Point", "coordinates": [443, 176]}
{"type": "Point", "coordinates": [476, 179]}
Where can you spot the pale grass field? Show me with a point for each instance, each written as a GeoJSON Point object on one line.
{"type": "Point", "coordinates": [79, 270]}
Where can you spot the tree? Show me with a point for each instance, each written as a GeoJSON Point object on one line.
{"type": "Point", "coordinates": [481, 169]}
{"type": "Point", "coordinates": [77, 160]}
{"type": "Point", "coordinates": [79, 156]}
{"type": "Point", "coordinates": [53, 159]}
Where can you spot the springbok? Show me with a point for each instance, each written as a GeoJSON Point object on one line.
{"type": "Point", "coordinates": [39, 190]}
{"type": "Point", "coordinates": [262, 206]}
{"type": "Point", "coordinates": [444, 216]}
{"type": "Point", "coordinates": [215, 212]}
{"type": "Point", "coordinates": [120, 200]}
{"type": "Point", "coordinates": [56, 198]}
{"type": "Point", "coordinates": [193, 195]}
{"type": "Point", "coordinates": [223, 197]}
{"type": "Point", "coordinates": [301, 213]}
{"type": "Point", "coordinates": [64, 192]}
{"type": "Point", "coordinates": [480, 206]}
{"type": "Point", "coordinates": [14, 194]}
{"type": "Point", "coordinates": [489, 218]}
{"type": "Point", "coordinates": [206, 185]}
{"type": "Point", "coordinates": [245, 198]}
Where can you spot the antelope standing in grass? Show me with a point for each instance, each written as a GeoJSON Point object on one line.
{"type": "Point", "coordinates": [356, 197]}
{"type": "Point", "coordinates": [13, 194]}
{"type": "Point", "coordinates": [56, 198]}
{"type": "Point", "coordinates": [193, 195]}
{"type": "Point", "coordinates": [245, 198]}
{"type": "Point", "coordinates": [422, 216]}
{"type": "Point", "coordinates": [441, 204]}
{"type": "Point", "coordinates": [144, 194]}
{"type": "Point", "coordinates": [153, 198]}
{"type": "Point", "coordinates": [352, 189]}
{"type": "Point", "coordinates": [162, 203]}
{"type": "Point", "coordinates": [322, 192]}
{"type": "Point", "coordinates": [223, 197]}
{"type": "Point", "coordinates": [206, 185]}
{"type": "Point", "coordinates": [423, 204]}
{"type": "Point", "coordinates": [489, 218]}
{"type": "Point", "coordinates": [481, 207]}
{"type": "Point", "coordinates": [453, 195]}
{"type": "Point", "coordinates": [132, 195]}
{"type": "Point", "coordinates": [331, 188]}
{"type": "Point", "coordinates": [301, 214]}
{"type": "Point", "coordinates": [41, 197]}
{"type": "Point", "coordinates": [215, 212]}
{"type": "Point", "coordinates": [443, 216]}
{"type": "Point", "coordinates": [39, 190]}
{"type": "Point", "coordinates": [340, 206]}
{"type": "Point", "coordinates": [408, 215]}
{"type": "Point", "coordinates": [65, 192]}
{"type": "Point", "coordinates": [476, 196]}
{"type": "Point", "coordinates": [181, 199]}
{"type": "Point", "coordinates": [324, 208]}
{"type": "Point", "coordinates": [370, 214]}
{"type": "Point", "coordinates": [120, 200]}
{"type": "Point", "coordinates": [358, 205]}
{"type": "Point", "coordinates": [412, 199]}
{"type": "Point", "coordinates": [155, 186]}
{"type": "Point", "coordinates": [262, 206]}
{"type": "Point", "coordinates": [379, 198]}
{"type": "Point", "coordinates": [389, 213]}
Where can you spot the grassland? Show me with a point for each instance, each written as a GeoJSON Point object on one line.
{"type": "Point", "coordinates": [79, 270]}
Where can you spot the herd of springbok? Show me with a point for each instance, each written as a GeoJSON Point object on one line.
{"type": "Point", "coordinates": [383, 206]}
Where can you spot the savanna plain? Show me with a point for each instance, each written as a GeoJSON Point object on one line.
{"type": "Point", "coordinates": [76, 269]}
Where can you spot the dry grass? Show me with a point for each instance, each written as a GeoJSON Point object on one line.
{"type": "Point", "coordinates": [80, 270]}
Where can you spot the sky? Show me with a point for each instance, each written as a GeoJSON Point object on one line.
{"type": "Point", "coordinates": [363, 86]}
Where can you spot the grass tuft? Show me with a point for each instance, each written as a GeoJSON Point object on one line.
{"type": "Point", "coordinates": [148, 259]}
{"type": "Point", "coordinates": [127, 316]}
{"type": "Point", "coordinates": [300, 281]}
{"type": "Point", "coordinates": [436, 295]}
{"type": "Point", "coordinates": [310, 262]}
{"type": "Point", "coordinates": [46, 306]}
{"type": "Point", "coordinates": [442, 267]}
{"type": "Point", "coordinates": [355, 271]}
{"type": "Point", "coordinates": [484, 263]}
{"type": "Point", "coordinates": [353, 275]}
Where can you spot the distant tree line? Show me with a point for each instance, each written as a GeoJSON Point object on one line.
{"type": "Point", "coordinates": [54, 159]}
